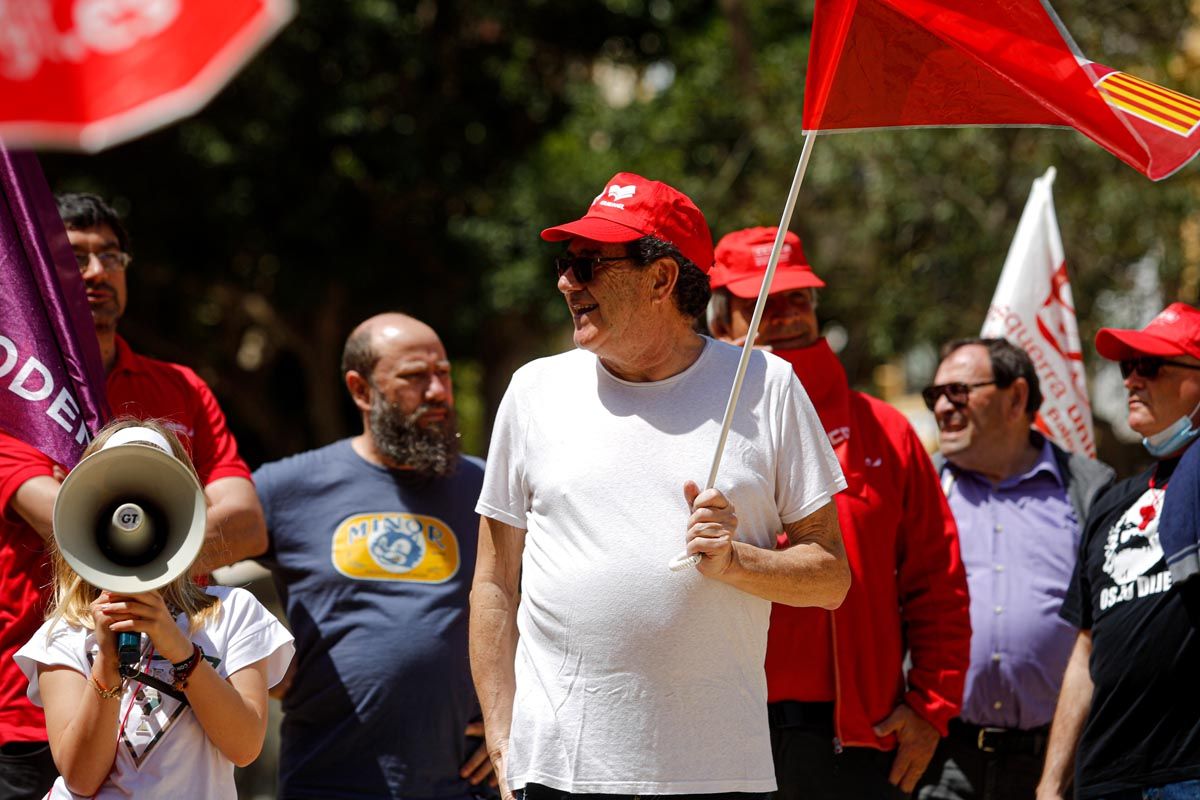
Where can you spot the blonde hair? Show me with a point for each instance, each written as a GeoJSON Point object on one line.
{"type": "Point", "coordinates": [73, 597]}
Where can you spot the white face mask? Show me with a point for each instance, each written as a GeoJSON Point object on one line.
{"type": "Point", "coordinates": [1174, 437]}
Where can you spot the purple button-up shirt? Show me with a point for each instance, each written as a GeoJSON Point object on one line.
{"type": "Point", "coordinates": [1019, 541]}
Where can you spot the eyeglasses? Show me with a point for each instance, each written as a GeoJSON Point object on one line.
{"type": "Point", "coordinates": [110, 260]}
{"type": "Point", "coordinates": [1148, 366]}
{"type": "Point", "coordinates": [956, 393]}
{"type": "Point", "coordinates": [584, 267]}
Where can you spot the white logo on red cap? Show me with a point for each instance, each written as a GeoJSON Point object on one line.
{"type": "Point", "coordinates": [1168, 317]}
{"type": "Point", "coordinates": [762, 254]}
{"type": "Point", "coordinates": [617, 193]}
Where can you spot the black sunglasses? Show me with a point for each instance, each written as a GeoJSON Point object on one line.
{"type": "Point", "coordinates": [1148, 366]}
{"type": "Point", "coordinates": [956, 393]}
{"type": "Point", "coordinates": [584, 267]}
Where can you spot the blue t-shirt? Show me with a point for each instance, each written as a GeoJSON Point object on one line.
{"type": "Point", "coordinates": [1179, 531]}
{"type": "Point", "coordinates": [374, 573]}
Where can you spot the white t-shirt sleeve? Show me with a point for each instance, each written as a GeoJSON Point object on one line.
{"type": "Point", "coordinates": [54, 645]}
{"type": "Point", "coordinates": [255, 634]}
{"type": "Point", "coordinates": [807, 471]}
{"type": "Point", "coordinates": [506, 496]}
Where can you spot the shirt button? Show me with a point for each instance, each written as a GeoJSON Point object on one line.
{"type": "Point", "coordinates": [999, 568]}
{"type": "Point", "coordinates": [996, 657]}
{"type": "Point", "coordinates": [999, 529]}
{"type": "Point", "coordinates": [999, 609]}
{"type": "Point", "coordinates": [997, 705]}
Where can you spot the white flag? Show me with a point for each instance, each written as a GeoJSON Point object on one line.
{"type": "Point", "coordinates": [1033, 309]}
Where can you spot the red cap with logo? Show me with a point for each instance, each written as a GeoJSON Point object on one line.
{"type": "Point", "coordinates": [742, 258]}
{"type": "Point", "coordinates": [630, 207]}
{"type": "Point", "coordinates": [1174, 332]}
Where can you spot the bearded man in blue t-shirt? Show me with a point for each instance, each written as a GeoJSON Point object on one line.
{"type": "Point", "coordinates": [372, 547]}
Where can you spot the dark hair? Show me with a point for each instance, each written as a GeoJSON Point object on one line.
{"type": "Point", "coordinates": [359, 354]}
{"type": "Point", "coordinates": [691, 287]}
{"type": "Point", "coordinates": [1009, 362]}
{"type": "Point", "coordinates": [81, 210]}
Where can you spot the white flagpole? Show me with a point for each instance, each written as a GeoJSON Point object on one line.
{"type": "Point", "coordinates": [683, 561]}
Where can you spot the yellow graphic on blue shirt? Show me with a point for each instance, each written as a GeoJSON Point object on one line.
{"type": "Point", "coordinates": [394, 546]}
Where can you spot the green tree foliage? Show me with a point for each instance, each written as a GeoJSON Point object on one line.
{"type": "Point", "coordinates": [405, 155]}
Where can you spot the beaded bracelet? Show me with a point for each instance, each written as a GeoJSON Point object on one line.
{"type": "Point", "coordinates": [106, 694]}
{"type": "Point", "coordinates": [184, 669]}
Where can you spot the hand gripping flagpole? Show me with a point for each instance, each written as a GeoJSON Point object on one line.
{"type": "Point", "coordinates": [683, 561]}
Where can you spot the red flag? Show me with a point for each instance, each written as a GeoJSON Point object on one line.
{"type": "Point", "coordinates": [922, 63]}
{"type": "Point", "coordinates": [86, 74]}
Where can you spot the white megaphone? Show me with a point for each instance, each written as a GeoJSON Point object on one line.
{"type": "Point", "coordinates": [130, 517]}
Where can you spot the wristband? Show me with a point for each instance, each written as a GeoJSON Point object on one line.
{"type": "Point", "coordinates": [184, 669]}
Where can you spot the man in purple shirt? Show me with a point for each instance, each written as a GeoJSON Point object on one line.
{"type": "Point", "coordinates": [1018, 501]}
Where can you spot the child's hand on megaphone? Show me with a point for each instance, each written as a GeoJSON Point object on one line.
{"type": "Point", "coordinates": [147, 613]}
{"type": "Point", "coordinates": [106, 638]}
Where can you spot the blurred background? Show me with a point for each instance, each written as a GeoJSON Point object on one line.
{"type": "Point", "coordinates": [404, 155]}
{"type": "Point", "coordinates": [383, 154]}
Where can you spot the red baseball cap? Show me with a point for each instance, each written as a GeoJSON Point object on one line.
{"type": "Point", "coordinates": [630, 207]}
{"type": "Point", "coordinates": [1174, 332]}
{"type": "Point", "coordinates": [742, 258]}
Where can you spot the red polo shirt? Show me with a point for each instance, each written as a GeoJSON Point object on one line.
{"type": "Point", "coordinates": [137, 386]}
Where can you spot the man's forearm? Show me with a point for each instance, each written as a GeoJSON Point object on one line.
{"type": "Point", "coordinates": [493, 648]}
{"type": "Point", "coordinates": [236, 529]}
{"type": "Point", "coordinates": [495, 595]}
{"type": "Point", "coordinates": [1074, 703]}
{"type": "Point", "coordinates": [813, 571]}
{"type": "Point", "coordinates": [34, 502]}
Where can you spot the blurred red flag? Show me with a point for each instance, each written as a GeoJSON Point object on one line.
{"type": "Point", "coordinates": [86, 74]}
{"type": "Point", "coordinates": [921, 63]}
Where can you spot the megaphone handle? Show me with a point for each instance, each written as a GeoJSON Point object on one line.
{"type": "Point", "coordinates": [129, 648]}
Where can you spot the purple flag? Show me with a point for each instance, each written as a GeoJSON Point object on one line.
{"type": "Point", "coordinates": [51, 377]}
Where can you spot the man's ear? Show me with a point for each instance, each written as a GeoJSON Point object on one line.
{"type": "Point", "coordinates": [1020, 396]}
{"type": "Point", "coordinates": [666, 275]}
{"type": "Point", "coordinates": [360, 390]}
{"type": "Point", "coordinates": [718, 329]}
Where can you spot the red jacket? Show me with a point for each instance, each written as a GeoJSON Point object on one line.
{"type": "Point", "coordinates": [908, 593]}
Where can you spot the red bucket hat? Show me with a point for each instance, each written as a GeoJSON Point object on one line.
{"type": "Point", "coordinates": [1174, 332]}
{"type": "Point", "coordinates": [742, 258]}
{"type": "Point", "coordinates": [630, 207]}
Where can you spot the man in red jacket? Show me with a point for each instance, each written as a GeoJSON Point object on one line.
{"type": "Point", "coordinates": [839, 699]}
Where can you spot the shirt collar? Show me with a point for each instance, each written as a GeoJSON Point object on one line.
{"type": "Point", "coordinates": [1045, 463]}
{"type": "Point", "coordinates": [126, 360]}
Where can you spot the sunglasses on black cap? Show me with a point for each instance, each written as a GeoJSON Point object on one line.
{"type": "Point", "coordinates": [584, 267]}
{"type": "Point", "coordinates": [1148, 366]}
{"type": "Point", "coordinates": [957, 393]}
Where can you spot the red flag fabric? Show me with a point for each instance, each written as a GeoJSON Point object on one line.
{"type": "Point", "coordinates": [86, 74]}
{"type": "Point", "coordinates": [935, 63]}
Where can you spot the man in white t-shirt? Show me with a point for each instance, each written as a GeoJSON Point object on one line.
{"type": "Point", "coordinates": [599, 670]}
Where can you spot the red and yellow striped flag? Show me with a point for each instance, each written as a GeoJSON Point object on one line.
{"type": "Point", "coordinates": [931, 63]}
{"type": "Point", "coordinates": [1145, 100]}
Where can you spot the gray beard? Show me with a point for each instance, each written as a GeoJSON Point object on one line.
{"type": "Point", "coordinates": [423, 452]}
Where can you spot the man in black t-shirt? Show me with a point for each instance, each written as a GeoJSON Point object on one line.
{"type": "Point", "coordinates": [1128, 715]}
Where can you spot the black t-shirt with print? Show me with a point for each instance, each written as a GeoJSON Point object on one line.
{"type": "Point", "coordinates": [1144, 725]}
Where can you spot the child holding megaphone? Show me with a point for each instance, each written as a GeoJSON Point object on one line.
{"type": "Point", "coordinates": [169, 712]}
